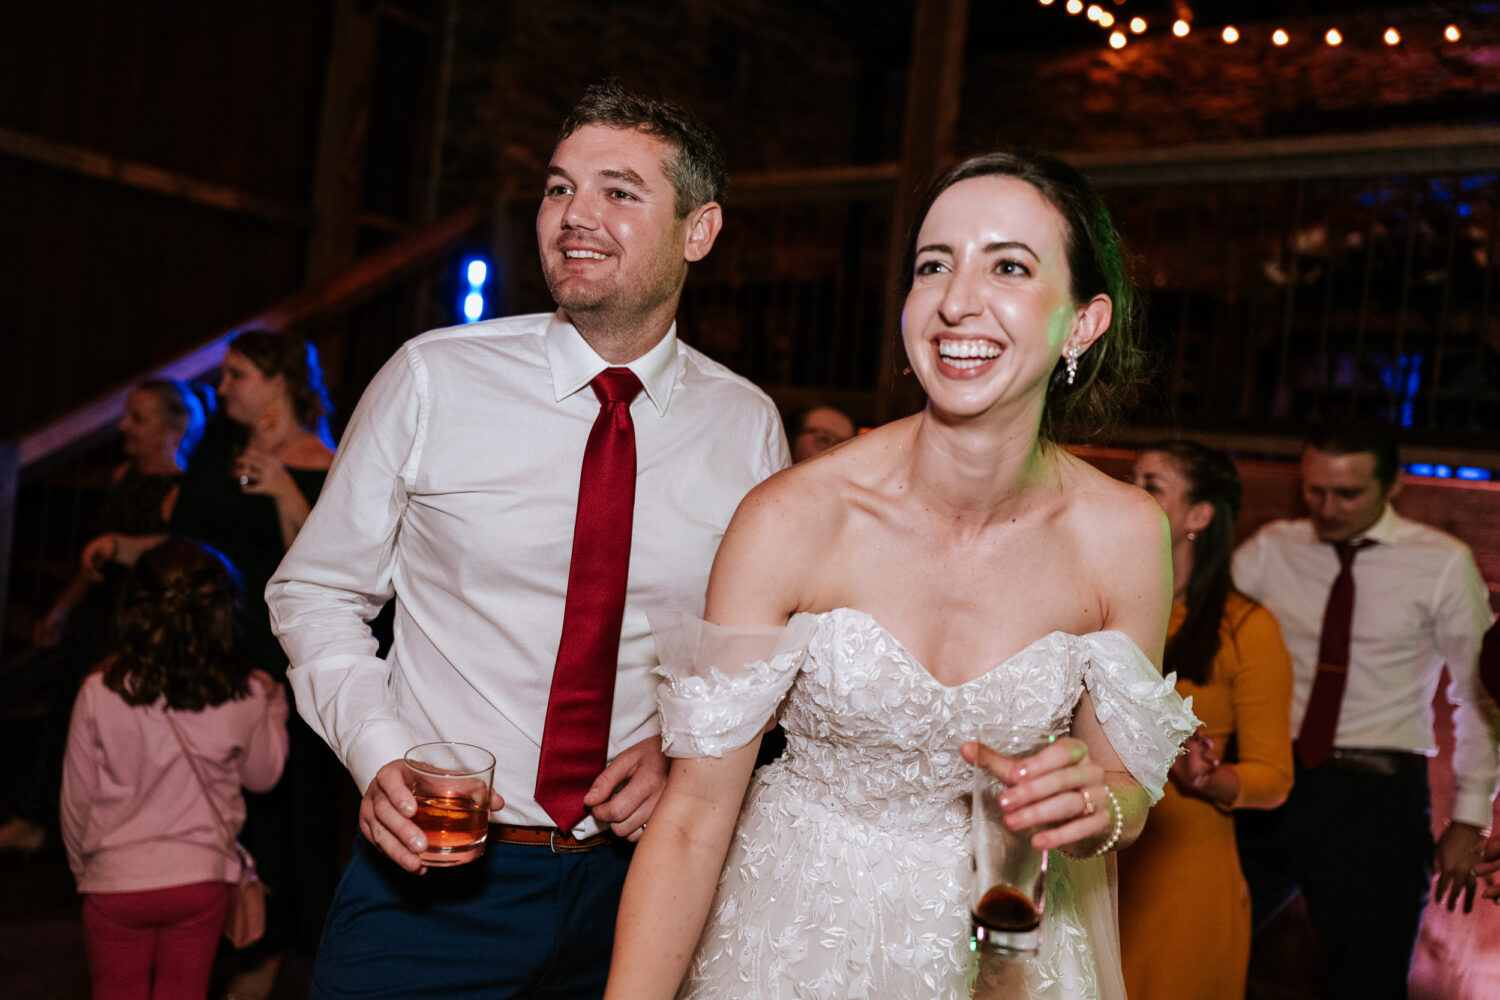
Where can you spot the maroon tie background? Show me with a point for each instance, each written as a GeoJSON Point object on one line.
{"type": "Point", "coordinates": [575, 739]}
{"type": "Point", "coordinates": [1315, 741]}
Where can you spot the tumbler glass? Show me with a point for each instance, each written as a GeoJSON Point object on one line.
{"type": "Point", "coordinates": [1009, 887]}
{"type": "Point", "coordinates": [451, 783]}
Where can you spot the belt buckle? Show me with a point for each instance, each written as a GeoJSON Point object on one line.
{"type": "Point", "coordinates": [576, 848]}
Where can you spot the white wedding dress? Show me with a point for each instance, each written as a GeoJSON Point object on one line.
{"type": "Point", "coordinates": [848, 876]}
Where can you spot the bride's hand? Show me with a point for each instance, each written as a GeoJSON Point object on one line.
{"type": "Point", "coordinates": [1059, 790]}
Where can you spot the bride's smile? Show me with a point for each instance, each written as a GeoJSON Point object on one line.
{"type": "Point", "coordinates": [991, 310]}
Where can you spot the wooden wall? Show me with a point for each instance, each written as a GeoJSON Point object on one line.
{"type": "Point", "coordinates": [103, 280]}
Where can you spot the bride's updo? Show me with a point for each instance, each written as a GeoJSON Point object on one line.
{"type": "Point", "coordinates": [1109, 371]}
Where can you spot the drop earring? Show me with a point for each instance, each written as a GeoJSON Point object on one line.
{"type": "Point", "coordinates": [1072, 363]}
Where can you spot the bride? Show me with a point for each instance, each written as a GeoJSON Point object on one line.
{"type": "Point", "coordinates": [951, 568]}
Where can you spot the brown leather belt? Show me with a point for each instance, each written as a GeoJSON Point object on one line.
{"type": "Point", "coordinates": [547, 836]}
{"type": "Point", "coordinates": [1383, 762]}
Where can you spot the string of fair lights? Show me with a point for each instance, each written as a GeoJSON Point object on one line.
{"type": "Point", "coordinates": [1120, 36]}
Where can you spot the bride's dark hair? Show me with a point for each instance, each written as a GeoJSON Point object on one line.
{"type": "Point", "coordinates": [1109, 371]}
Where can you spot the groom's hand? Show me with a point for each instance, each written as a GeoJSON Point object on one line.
{"type": "Point", "coordinates": [385, 817]}
{"type": "Point", "coordinates": [626, 792]}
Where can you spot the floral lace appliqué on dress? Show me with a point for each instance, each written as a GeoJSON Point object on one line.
{"type": "Point", "coordinates": [848, 874]}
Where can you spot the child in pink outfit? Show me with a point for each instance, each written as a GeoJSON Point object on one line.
{"type": "Point", "coordinates": [151, 859]}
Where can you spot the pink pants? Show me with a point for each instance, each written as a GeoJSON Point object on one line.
{"type": "Point", "coordinates": [154, 945]}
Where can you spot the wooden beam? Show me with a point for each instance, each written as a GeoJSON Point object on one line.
{"type": "Point", "coordinates": [400, 15]}
{"type": "Point", "coordinates": [383, 223]}
{"type": "Point", "coordinates": [1425, 150]}
{"type": "Point", "coordinates": [868, 182]}
{"type": "Point", "coordinates": [338, 179]}
{"type": "Point", "coordinates": [932, 97]}
{"type": "Point", "coordinates": [144, 177]}
{"type": "Point", "coordinates": [437, 133]}
{"type": "Point", "coordinates": [1442, 149]}
{"type": "Point", "coordinates": [370, 276]}
{"type": "Point", "coordinates": [10, 482]}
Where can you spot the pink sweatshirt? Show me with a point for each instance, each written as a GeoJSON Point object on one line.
{"type": "Point", "coordinates": [133, 815]}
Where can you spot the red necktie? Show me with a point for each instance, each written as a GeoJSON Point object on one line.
{"type": "Point", "coordinates": [576, 738]}
{"type": "Point", "coordinates": [1315, 741]}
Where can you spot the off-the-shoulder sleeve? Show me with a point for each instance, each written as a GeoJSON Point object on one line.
{"type": "Point", "coordinates": [721, 685]}
{"type": "Point", "coordinates": [1145, 719]}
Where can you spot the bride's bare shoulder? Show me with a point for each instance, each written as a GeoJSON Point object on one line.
{"type": "Point", "coordinates": [812, 499]}
{"type": "Point", "coordinates": [788, 529]}
{"type": "Point", "coordinates": [1109, 511]}
{"type": "Point", "coordinates": [1110, 516]}
{"type": "Point", "coordinates": [1093, 490]}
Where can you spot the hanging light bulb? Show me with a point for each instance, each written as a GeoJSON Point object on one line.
{"type": "Point", "coordinates": [1074, 6]}
{"type": "Point", "coordinates": [1181, 28]}
{"type": "Point", "coordinates": [1392, 36]}
{"type": "Point", "coordinates": [1137, 25]}
{"type": "Point", "coordinates": [1117, 39]}
{"type": "Point", "coordinates": [1094, 12]}
{"type": "Point", "coordinates": [1231, 34]}
{"type": "Point", "coordinates": [1452, 33]}
{"type": "Point", "coordinates": [1106, 19]}
{"type": "Point", "coordinates": [1333, 37]}
{"type": "Point", "coordinates": [1045, 3]}
{"type": "Point", "coordinates": [1280, 37]}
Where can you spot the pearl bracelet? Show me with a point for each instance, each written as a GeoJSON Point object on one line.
{"type": "Point", "coordinates": [1114, 834]}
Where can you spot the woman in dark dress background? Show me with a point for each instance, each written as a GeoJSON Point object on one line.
{"type": "Point", "coordinates": [255, 478]}
{"type": "Point", "coordinates": [247, 493]}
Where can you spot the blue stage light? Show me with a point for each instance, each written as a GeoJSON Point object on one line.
{"type": "Point", "coordinates": [1470, 472]}
{"type": "Point", "coordinates": [1420, 468]}
{"type": "Point", "coordinates": [476, 272]}
{"type": "Point", "coordinates": [1442, 472]}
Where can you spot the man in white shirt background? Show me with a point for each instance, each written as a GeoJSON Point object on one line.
{"type": "Point", "coordinates": [1372, 607]}
{"type": "Point", "coordinates": [457, 493]}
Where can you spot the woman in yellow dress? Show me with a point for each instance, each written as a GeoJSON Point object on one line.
{"type": "Point", "coordinates": [1184, 907]}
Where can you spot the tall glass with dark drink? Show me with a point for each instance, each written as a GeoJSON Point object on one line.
{"type": "Point", "coordinates": [1009, 890]}
{"type": "Point", "coordinates": [451, 783]}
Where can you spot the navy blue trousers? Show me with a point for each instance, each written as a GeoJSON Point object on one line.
{"type": "Point", "coordinates": [519, 922]}
{"type": "Point", "coordinates": [1359, 848]}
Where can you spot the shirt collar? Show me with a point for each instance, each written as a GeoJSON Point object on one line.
{"type": "Point", "coordinates": [574, 363]}
{"type": "Point", "coordinates": [1384, 529]}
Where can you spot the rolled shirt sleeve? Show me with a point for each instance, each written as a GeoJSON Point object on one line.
{"type": "Point", "coordinates": [338, 575]}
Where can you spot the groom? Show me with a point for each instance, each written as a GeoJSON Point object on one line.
{"type": "Point", "coordinates": [519, 606]}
